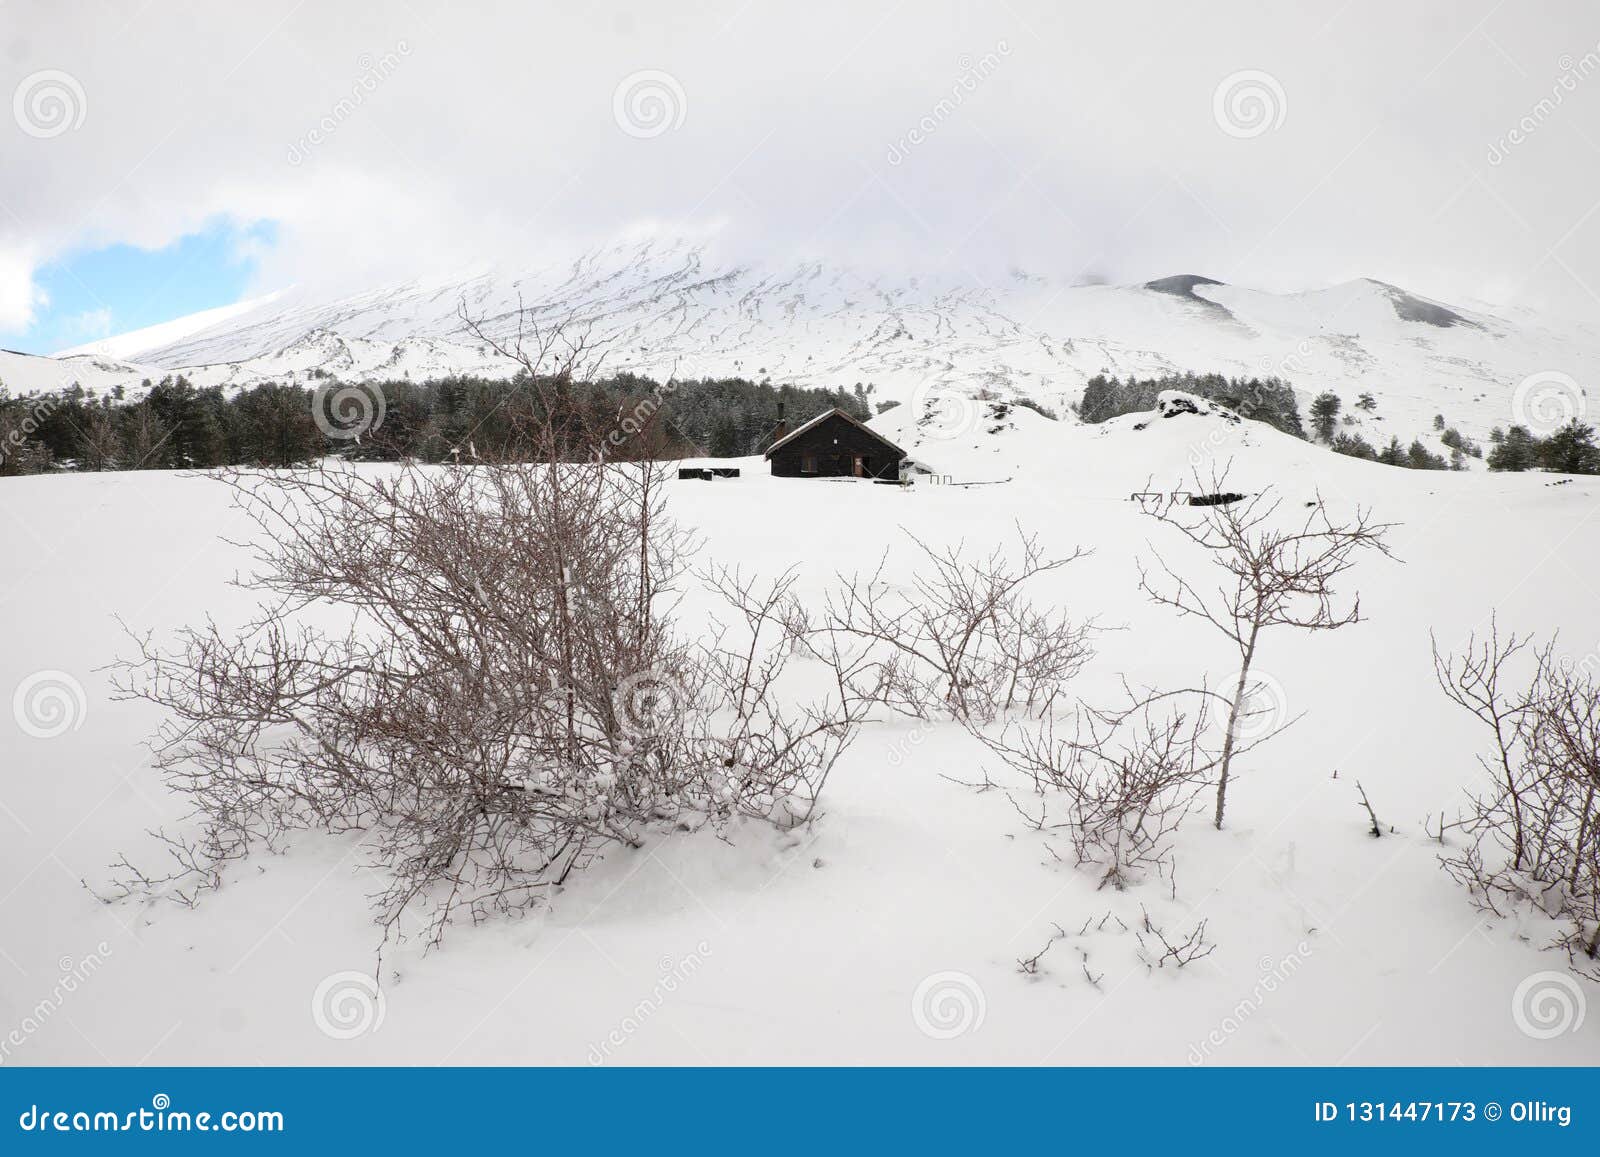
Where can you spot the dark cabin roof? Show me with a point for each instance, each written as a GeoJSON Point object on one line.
{"type": "Point", "coordinates": [824, 416]}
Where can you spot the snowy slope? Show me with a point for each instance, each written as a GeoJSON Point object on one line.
{"type": "Point", "coordinates": [135, 342]}
{"type": "Point", "coordinates": [663, 306]}
{"type": "Point", "coordinates": [22, 373]}
{"type": "Point", "coordinates": [891, 932]}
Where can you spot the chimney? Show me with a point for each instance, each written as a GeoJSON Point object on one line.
{"type": "Point", "coordinates": [782, 427]}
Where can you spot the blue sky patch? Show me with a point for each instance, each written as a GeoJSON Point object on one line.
{"type": "Point", "coordinates": [99, 292]}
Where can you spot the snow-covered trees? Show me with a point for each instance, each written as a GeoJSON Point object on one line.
{"type": "Point", "coordinates": [1325, 415]}
{"type": "Point", "coordinates": [1270, 400]}
{"type": "Point", "coordinates": [1570, 450]}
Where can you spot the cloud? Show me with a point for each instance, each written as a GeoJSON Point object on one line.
{"type": "Point", "coordinates": [19, 296]}
{"type": "Point", "coordinates": [391, 141]}
{"type": "Point", "coordinates": [90, 324]}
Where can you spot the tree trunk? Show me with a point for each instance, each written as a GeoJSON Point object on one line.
{"type": "Point", "coordinates": [1233, 722]}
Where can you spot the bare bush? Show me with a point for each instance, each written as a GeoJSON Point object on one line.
{"type": "Point", "coordinates": [774, 758]}
{"type": "Point", "coordinates": [1119, 785]}
{"type": "Point", "coordinates": [1275, 572]}
{"type": "Point", "coordinates": [1158, 950]}
{"type": "Point", "coordinates": [1375, 830]}
{"type": "Point", "coordinates": [1029, 965]}
{"type": "Point", "coordinates": [1534, 837]}
{"type": "Point", "coordinates": [474, 666]}
{"type": "Point", "coordinates": [961, 638]}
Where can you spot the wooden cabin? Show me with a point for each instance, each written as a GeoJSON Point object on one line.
{"type": "Point", "coordinates": [834, 445]}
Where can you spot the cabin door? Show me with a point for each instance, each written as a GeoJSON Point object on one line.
{"type": "Point", "coordinates": [863, 466]}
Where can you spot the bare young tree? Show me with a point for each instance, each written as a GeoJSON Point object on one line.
{"type": "Point", "coordinates": [962, 638]}
{"type": "Point", "coordinates": [1534, 837]}
{"type": "Point", "coordinates": [1277, 569]}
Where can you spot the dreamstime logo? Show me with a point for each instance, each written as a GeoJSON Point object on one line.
{"type": "Point", "coordinates": [1263, 709]}
{"type": "Point", "coordinates": [1249, 103]}
{"type": "Point", "coordinates": [904, 748]}
{"type": "Point", "coordinates": [1273, 974]}
{"type": "Point", "coordinates": [1218, 434]}
{"type": "Point", "coordinates": [947, 1005]}
{"type": "Point", "coordinates": [649, 103]}
{"type": "Point", "coordinates": [943, 413]}
{"type": "Point", "coordinates": [647, 701]}
{"type": "Point", "coordinates": [49, 703]}
{"type": "Point", "coordinates": [33, 417]}
{"type": "Point", "coordinates": [1547, 1005]}
{"type": "Point", "coordinates": [347, 1005]}
{"type": "Point", "coordinates": [1586, 663]}
{"type": "Point", "coordinates": [346, 412]}
{"type": "Point", "coordinates": [374, 71]}
{"type": "Point", "coordinates": [1566, 82]}
{"type": "Point", "coordinates": [49, 103]}
{"type": "Point", "coordinates": [674, 974]}
{"type": "Point", "coordinates": [1546, 401]}
{"type": "Point", "coordinates": [637, 420]}
{"type": "Point", "coordinates": [972, 74]}
{"type": "Point", "coordinates": [1204, 450]}
{"type": "Point", "coordinates": [73, 974]}
{"type": "Point", "coordinates": [1296, 362]}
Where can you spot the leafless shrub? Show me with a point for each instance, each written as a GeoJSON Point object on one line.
{"type": "Point", "coordinates": [774, 759]}
{"type": "Point", "coordinates": [1376, 830]}
{"type": "Point", "coordinates": [475, 667]}
{"type": "Point", "coordinates": [1097, 928]}
{"type": "Point", "coordinates": [1157, 950]}
{"type": "Point", "coordinates": [1119, 785]}
{"type": "Point", "coordinates": [1534, 836]}
{"type": "Point", "coordinates": [1101, 924]}
{"type": "Point", "coordinates": [1154, 947]}
{"type": "Point", "coordinates": [961, 638]}
{"type": "Point", "coordinates": [1029, 965]}
{"type": "Point", "coordinates": [1275, 571]}
{"type": "Point", "coordinates": [1436, 832]}
{"type": "Point", "coordinates": [1094, 978]}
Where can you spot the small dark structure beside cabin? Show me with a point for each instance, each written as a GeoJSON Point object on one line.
{"type": "Point", "coordinates": [707, 472]}
{"type": "Point", "coordinates": [834, 445]}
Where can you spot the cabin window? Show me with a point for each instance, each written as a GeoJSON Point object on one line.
{"type": "Point", "coordinates": [808, 463]}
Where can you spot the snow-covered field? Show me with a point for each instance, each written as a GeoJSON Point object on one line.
{"type": "Point", "coordinates": [891, 931]}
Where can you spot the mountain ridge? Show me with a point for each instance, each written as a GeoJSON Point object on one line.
{"type": "Point", "coordinates": [664, 308]}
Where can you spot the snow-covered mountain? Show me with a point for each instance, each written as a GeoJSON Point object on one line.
{"type": "Point", "coordinates": [664, 307]}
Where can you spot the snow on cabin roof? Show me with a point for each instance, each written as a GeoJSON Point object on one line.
{"type": "Point", "coordinates": [801, 429]}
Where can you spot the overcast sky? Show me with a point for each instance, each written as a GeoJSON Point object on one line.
{"type": "Point", "coordinates": [346, 145]}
